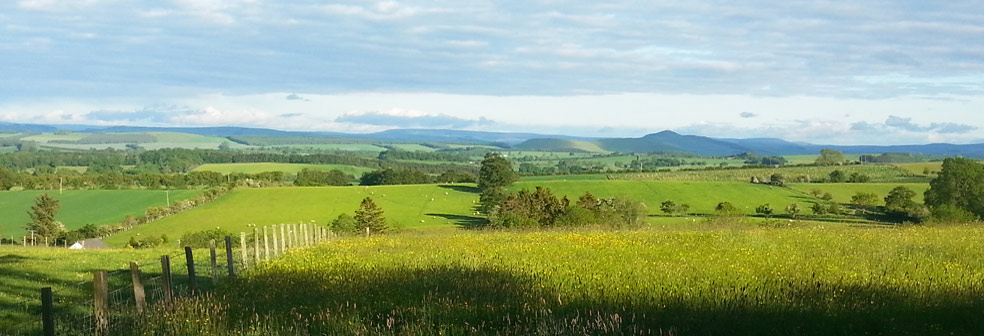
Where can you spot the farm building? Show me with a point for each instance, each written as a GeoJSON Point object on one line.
{"type": "Point", "coordinates": [89, 244]}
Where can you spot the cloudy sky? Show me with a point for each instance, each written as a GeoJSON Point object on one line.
{"type": "Point", "coordinates": [864, 72]}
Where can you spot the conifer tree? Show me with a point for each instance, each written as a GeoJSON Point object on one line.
{"type": "Point", "coordinates": [43, 220]}
{"type": "Point", "coordinates": [369, 216]}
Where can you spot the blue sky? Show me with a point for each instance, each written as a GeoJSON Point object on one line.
{"type": "Point", "coordinates": [870, 72]}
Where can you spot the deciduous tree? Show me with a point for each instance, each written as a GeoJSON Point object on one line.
{"type": "Point", "coordinates": [960, 184]}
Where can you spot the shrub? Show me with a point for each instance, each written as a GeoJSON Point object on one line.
{"type": "Point", "coordinates": [765, 209]}
{"type": "Point", "coordinates": [793, 210]}
{"type": "Point", "coordinates": [577, 216]}
{"type": "Point", "coordinates": [622, 212]}
{"type": "Point", "coordinates": [952, 214]}
{"type": "Point", "coordinates": [200, 239]}
{"type": "Point", "coordinates": [818, 208]}
{"type": "Point", "coordinates": [151, 241]}
{"type": "Point", "coordinates": [726, 209]}
{"type": "Point", "coordinates": [344, 224]}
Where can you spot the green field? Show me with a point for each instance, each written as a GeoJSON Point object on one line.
{"type": "Point", "coordinates": [920, 168]}
{"type": "Point", "coordinates": [163, 140]}
{"type": "Point", "coordinates": [81, 207]}
{"type": "Point", "coordinates": [816, 280]}
{"type": "Point", "coordinates": [842, 192]}
{"type": "Point", "coordinates": [25, 270]}
{"type": "Point", "coordinates": [812, 158]}
{"type": "Point", "coordinates": [877, 173]}
{"type": "Point", "coordinates": [440, 206]}
{"type": "Point", "coordinates": [289, 168]}
{"type": "Point", "coordinates": [702, 197]}
{"type": "Point", "coordinates": [573, 177]}
{"type": "Point", "coordinates": [412, 147]}
{"type": "Point", "coordinates": [406, 207]}
{"type": "Point", "coordinates": [45, 137]}
{"type": "Point", "coordinates": [338, 147]}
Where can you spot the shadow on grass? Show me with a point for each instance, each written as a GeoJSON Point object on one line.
{"type": "Point", "coordinates": [489, 300]}
{"type": "Point", "coordinates": [461, 188]}
{"type": "Point", "coordinates": [466, 222]}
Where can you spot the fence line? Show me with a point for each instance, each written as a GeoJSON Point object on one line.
{"type": "Point", "coordinates": [153, 283]}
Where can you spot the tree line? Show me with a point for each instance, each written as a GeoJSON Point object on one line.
{"type": "Point", "coordinates": [180, 160]}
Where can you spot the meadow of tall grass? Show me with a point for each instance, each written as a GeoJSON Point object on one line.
{"type": "Point", "coordinates": [730, 278]}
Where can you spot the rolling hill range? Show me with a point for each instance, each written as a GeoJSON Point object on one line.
{"type": "Point", "coordinates": [559, 145]}
{"type": "Point", "coordinates": [669, 141]}
{"type": "Point", "coordinates": [665, 141]}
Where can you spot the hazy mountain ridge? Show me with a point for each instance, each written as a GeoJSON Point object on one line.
{"type": "Point", "coordinates": [665, 141]}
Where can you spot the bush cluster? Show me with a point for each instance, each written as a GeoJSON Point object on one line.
{"type": "Point", "coordinates": [540, 208]}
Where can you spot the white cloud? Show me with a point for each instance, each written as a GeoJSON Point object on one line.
{"type": "Point", "coordinates": [58, 5]}
{"type": "Point", "coordinates": [215, 117]}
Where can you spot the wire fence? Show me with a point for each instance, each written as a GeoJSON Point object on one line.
{"type": "Point", "coordinates": [75, 306]}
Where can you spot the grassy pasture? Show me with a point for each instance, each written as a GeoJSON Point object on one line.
{"type": "Point", "coordinates": [842, 192]}
{"type": "Point", "coordinates": [163, 140]}
{"type": "Point", "coordinates": [811, 158]}
{"type": "Point", "coordinates": [289, 168]}
{"type": "Point", "coordinates": [877, 173]}
{"type": "Point", "coordinates": [702, 197]}
{"type": "Point", "coordinates": [816, 280]}
{"type": "Point", "coordinates": [339, 146]}
{"type": "Point", "coordinates": [438, 206]}
{"type": "Point", "coordinates": [46, 137]}
{"type": "Point", "coordinates": [919, 168]}
{"type": "Point", "coordinates": [25, 270]}
{"type": "Point", "coordinates": [81, 207]}
{"type": "Point", "coordinates": [405, 206]}
{"type": "Point", "coordinates": [575, 177]}
{"type": "Point", "coordinates": [412, 147]}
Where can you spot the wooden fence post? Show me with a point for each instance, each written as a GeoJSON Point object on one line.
{"type": "Point", "coordinates": [276, 247]}
{"type": "Point", "coordinates": [290, 237]}
{"type": "Point", "coordinates": [243, 248]}
{"type": "Point", "coordinates": [192, 277]}
{"type": "Point", "coordinates": [138, 287]}
{"type": "Point", "coordinates": [214, 262]}
{"type": "Point", "coordinates": [283, 240]}
{"type": "Point", "coordinates": [229, 263]}
{"type": "Point", "coordinates": [166, 277]}
{"type": "Point", "coordinates": [256, 246]}
{"type": "Point", "coordinates": [47, 312]}
{"type": "Point", "coordinates": [100, 301]}
{"type": "Point", "coordinates": [266, 244]}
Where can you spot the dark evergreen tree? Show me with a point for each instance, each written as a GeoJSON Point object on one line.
{"type": "Point", "coordinates": [43, 217]}
{"type": "Point", "coordinates": [369, 216]}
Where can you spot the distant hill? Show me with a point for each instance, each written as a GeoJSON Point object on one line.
{"type": "Point", "coordinates": [665, 141]}
{"type": "Point", "coordinates": [669, 141]}
{"type": "Point", "coordinates": [207, 131]}
{"type": "Point", "coordinates": [396, 135]}
{"type": "Point", "coordinates": [560, 145]}
{"type": "Point", "coordinates": [441, 135]}
{"type": "Point", "coordinates": [12, 127]}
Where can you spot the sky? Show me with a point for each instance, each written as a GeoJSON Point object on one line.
{"type": "Point", "coordinates": [863, 72]}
